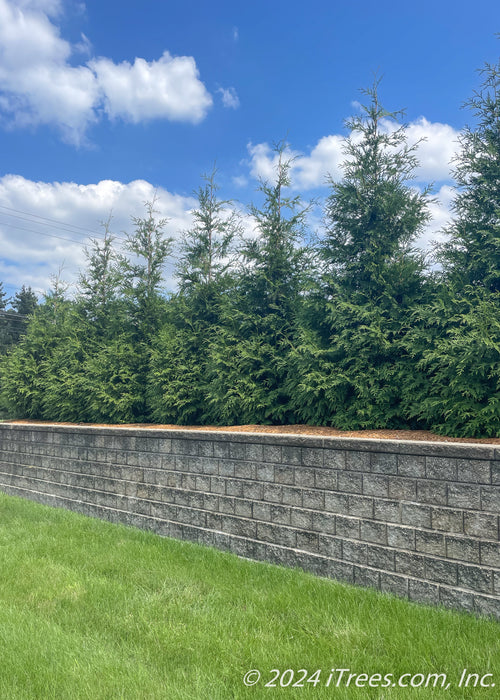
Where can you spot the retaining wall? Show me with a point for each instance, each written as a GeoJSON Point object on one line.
{"type": "Point", "coordinates": [418, 519]}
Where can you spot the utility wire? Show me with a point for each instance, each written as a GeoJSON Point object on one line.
{"type": "Point", "coordinates": [44, 218]}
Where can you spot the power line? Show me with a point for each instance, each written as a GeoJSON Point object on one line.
{"type": "Point", "coordinates": [44, 218]}
{"type": "Point", "coordinates": [53, 235]}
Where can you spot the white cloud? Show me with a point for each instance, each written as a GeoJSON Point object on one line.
{"type": "Point", "coordinates": [29, 256]}
{"type": "Point", "coordinates": [229, 97]}
{"type": "Point", "coordinates": [240, 181]}
{"type": "Point", "coordinates": [437, 147]}
{"type": "Point", "coordinates": [264, 161]}
{"type": "Point", "coordinates": [168, 88]}
{"type": "Point", "coordinates": [441, 215]}
{"type": "Point", "coordinates": [39, 85]}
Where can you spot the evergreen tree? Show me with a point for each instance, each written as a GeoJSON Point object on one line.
{"type": "Point", "coordinates": [145, 303]}
{"type": "Point", "coordinates": [456, 343]}
{"type": "Point", "coordinates": [101, 286]}
{"type": "Point", "coordinates": [39, 377]}
{"type": "Point", "coordinates": [373, 215]}
{"type": "Point", "coordinates": [205, 251]}
{"type": "Point", "coordinates": [178, 378]}
{"type": "Point", "coordinates": [25, 301]}
{"type": "Point", "coordinates": [143, 274]}
{"type": "Point", "coordinates": [3, 298]}
{"type": "Point", "coordinates": [249, 356]}
{"type": "Point", "coordinates": [471, 256]}
{"type": "Point", "coordinates": [346, 367]}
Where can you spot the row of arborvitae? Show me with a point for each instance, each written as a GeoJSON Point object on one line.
{"type": "Point", "coordinates": [353, 332]}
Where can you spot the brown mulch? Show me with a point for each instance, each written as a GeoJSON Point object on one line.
{"type": "Point", "coordinates": [292, 430]}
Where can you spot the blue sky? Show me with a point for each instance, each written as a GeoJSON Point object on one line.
{"type": "Point", "coordinates": [102, 103]}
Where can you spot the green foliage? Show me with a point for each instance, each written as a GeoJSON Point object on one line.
{"type": "Point", "coordinates": [247, 369]}
{"type": "Point", "coordinates": [177, 382]}
{"type": "Point", "coordinates": [206, 249]}
{"type": "Point", "coordinates": [101, 287]}
{"type": "Point", "coordinates": [455, 344]}
{"type": "Point", "coordinates": [248, 356]}
{"type": "Point", "coordinates": [113, 382]}
{"type": "Point", "coordinates": [348, 356]}
{"type": "Point", "coordinates": [25, 301]}
{"type": "Point", "coordinates": [358, 336]}
{"type": "Point", "coordinates": [471, 256]}
{"type": "Point", "coordinates": [24, 382]}
{"type": "Point", "coordinates": [143, 273]}
{"type": "Point", "coordinates": [177, 376]}
{"type": "Point", "coordinates": [373, 215]}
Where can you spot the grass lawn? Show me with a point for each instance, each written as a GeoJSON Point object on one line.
{"type": "Point", "coordinates": [94, 610]}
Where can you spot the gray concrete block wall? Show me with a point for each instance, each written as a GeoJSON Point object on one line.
{"type": "Point", "coordinates": [417, 519]}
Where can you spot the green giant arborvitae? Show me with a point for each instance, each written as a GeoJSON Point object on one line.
{"type": "Point", "coordinates": [348, 358]}
{"type": "Point", "coordinates": [249, 358]}
{"type": "Point", "coordinates": [180, 352]}
{"type": "Point", "coordinates": [457, 341]}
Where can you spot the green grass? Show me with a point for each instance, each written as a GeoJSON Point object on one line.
{"type": "Point", "coordinates": [94, 610]}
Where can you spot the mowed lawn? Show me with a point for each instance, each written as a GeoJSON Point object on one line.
{"type": "Point", "coordinates": [94, 610]}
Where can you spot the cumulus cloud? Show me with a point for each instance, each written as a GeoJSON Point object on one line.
{"type": "Point", "coordinates": [40, 85]}
{"type": "Point", "coordinates": [441, 215]}
{"type": "Point", "coordinates": [167, 88]}
{"type": "Point", "coordinates": [45, 225]}
{"type": "Point", "coordinates": [437, 146]}
{"type": "Point", "coordinates": [229, 97]}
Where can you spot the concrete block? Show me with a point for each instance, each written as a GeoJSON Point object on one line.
{"type": "Point", "coordinates": [394, 584]}
{"type": "Point", "coordinates": [402, 488]}
{"type": "Point", "coordinates": [401, 537]}
{"type": "Point", "coordinates": [350, 482]}
{"type": "Point", "coordinates": [464, 496]}
{"type": "Point", "coordinates": [422, 592]}
{"type": "Point", "coordinates": [373, 532]}
{"type": "Point", "coordinates": [490, 498]}
{"type": "Point", "coordinates": [388, 511]}
{"type": "Point", "coordinates": [410, 564]}
{"type": "Point", "coordinates": [474, 471]}
{"type": "Point", "coordinates": [361, 506]}
{"type": "Point", "coordinates": [323, 523]}
{"type": "Point", "coordinates": [375, 485]}
{"type": "Point", "coordinates": [304, 477]}
{"type": "Point", "coordinates": [430, 543]}
{"type": "Point", "coordinates": [434, 492]}
{"type": "Point", "coordinates": [312, 456]}
{"type": "Point", "coordinates": [291, 455]}
{"type": "Point", "coordinates": [380, 557]}
{"type": "Point", "coordinates": [284, 474]}
{"type": "Point", "coordinates": [447, 520]}
{"type": "Point", "coordinates": [280, 514]}
{"type": "Point", "coordinates": [334, 459]}
{"type": "Point", "coordinates": [490, 554]}
{"type": "Point", "coordinates": [302, 519]}
{"type": "Point", "coordinates": [411, 465]}
{"type": "Point", "coordinates": [325, 479]}
{"type": "Point", "coordinates": [475, 578]}
{"type": "Point", "coordinates": [463, 549]}
{"type": "Point", "coordinates": [313, 499]}
{"type": "Point", "coordinates": [347, 527]}
{"type": "Point", "coordinates": [441, 571]}
{"type": "Point", "coordinates": [481, 525]}
{"type": "Point", "coordinates": [384, 463]}
{"type": "Point", "coordinates": [330, 546]}
{"type": "Point", "coordinates": [442, 468]}
{"type": "Point", "coordinates": [358, 461]}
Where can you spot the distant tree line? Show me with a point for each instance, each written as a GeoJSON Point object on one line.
{"type": "Point", "coordinates": [355, 330]}
{"type": "Point", "coordinates": [14, 315]}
